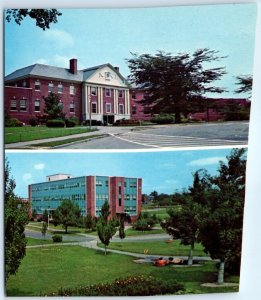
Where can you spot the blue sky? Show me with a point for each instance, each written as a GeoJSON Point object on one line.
{"type": "Point", "coordinates": [97, 36]}
{"type": "Point", "coordinates": [163, 171]}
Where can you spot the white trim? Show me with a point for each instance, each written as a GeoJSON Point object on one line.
{"type": "Point", "coordinates": [123, 110]}
{"type": "Point", "coordinates": [108, 112]}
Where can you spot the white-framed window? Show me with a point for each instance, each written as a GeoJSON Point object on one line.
{"type": "Point", "coordinates": [60, 88]}
{"type": "Point", "coordinates": [37, 85]}
{"type": "Point", "coordinates": [50, 87]}
{"type": "Point", "coordinates": [107, 92]}
{"type": "Point", "coordinates": [93, 90]}
{"type": "Point", "coordinates": [120, 93]}
{"type": "Point", "coordinates": [72, 107]}
{"type": "Point", "coordinates": [23, 105]}
{"type": "Point", "coordinates": [13, 105]}
{"type": "Point", "coordinates": [72, 89]}
{"type": "Point", "coordinates": [94, 107]}
{"type": "Point", "coordinates": [37, 105]}
{"type": "Point", "coordinates": [108, 107]}
{"type": "Point", "coordinates": [24, 83]}
{"type": "Point", "coordinates": [121, 109]}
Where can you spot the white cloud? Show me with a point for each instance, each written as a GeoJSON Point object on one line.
{"type": "Point", "coordinates": [27, 177]}
{"type": "Point", "coordinates": [42, 61]}
{"type": "Point", "coordinates": [61, 61]}
{"type": "Point", "coordinates": [206, 161]}
{"type": "Point", "coordinates": [39, 166]}
{"type": "Point", "coordinates": [59, 38]}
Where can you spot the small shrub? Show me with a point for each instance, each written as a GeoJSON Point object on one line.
{"type": "Point", "coordinates": [33, 122]}
{"type": "Point", "coordinates": [124, 122]}
{"type": "Point", "coordinates": [13, 122]}
{"type": "Point", "coordinates": [163, 119]}
{"type": "Point", "coordinates": [93, 123]}
{"type": "Point", "coordinates": [55, 123]}
{"type": "Point", "coordinates": [69, 123]}
{"type": "Point", "coordinates": [57, 238]}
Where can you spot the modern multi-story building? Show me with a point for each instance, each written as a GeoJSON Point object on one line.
{"type": "Point", "coordinates": [124, 195]}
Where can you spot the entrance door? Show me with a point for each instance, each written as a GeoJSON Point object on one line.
{"type": "Point", "coordinates": [108, 119]}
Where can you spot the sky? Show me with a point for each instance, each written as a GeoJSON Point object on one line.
{"type": "Point", "coordinates": [98, 36]}
{"type": "Point", "coordinates": [163, 171]}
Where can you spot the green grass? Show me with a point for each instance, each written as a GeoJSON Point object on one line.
{"type": "Point", "coordinates": [45, 270]}
{"type": "Point", "coordinates": [28, 133]}
{"type": "Point", "coordinates": [34, 241]}
{"type": "Point", "coordinates": [157, 248]}
{"type": "Point", "coordinates": [132, 232]}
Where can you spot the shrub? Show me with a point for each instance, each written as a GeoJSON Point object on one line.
{"type": "Point", "coordinates": [57, 238]}
{"type": "Point", "coordinates": [70, 123]}
{"type": "Point", "coordinates": [55, 123]}
{"type": "Point", "coordinates": [145, 222]}
{"type": "Point", "coordinates": [163, 119]}
{"type": "Point", "coordinates": [93, 122]}
{"type": "Point", "coordinates": [13, 122]}
{"type": "Point", "coordinates": [124, 122]}
{"type": "Point", "coordinates": [129, 286]}
{"type": "Point", "coordinates": [33, 122]}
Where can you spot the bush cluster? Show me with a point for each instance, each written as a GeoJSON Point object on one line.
{"type": "Point", "coordinates": [70, 123]}
{"type": "Point", "coordinates": [124, 122]}
{"type": "Point", "coordinates": [93, 122]}
{"type": "Point", "coordinates": [57, 238]}
{"type": "Point", "coordinates": [13, 122]}
{"type": "Point", "coordinates": [163, 119]}
{"type": "Point", "coordinates": [33, 122]}
{"type": "Point", "coordinates": [129, 286]}
{"type": "Point", "coordinates": [55, 123]}
{"type": "Point", "coordinates": [145, 222]}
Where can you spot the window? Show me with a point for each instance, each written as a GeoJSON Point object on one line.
{"type": "Point", "coordinates": [119, 190]}
{"type": "Point", "coordinates": [94, 107]}
{"type": "Point", "coordinates": [93, 91]}
{"type": "Point", "coordinates": [72, 107]}
{"type": "Point", "coordinates": [121, 109]}
{"type": "Point", "coordinates": [37, 105]}
{"type": "Point", "coordinates": [108, 107]}
{"type": "Point", "coordinates": [37, 85]}
{"type": "Point", "coordinates": [60, 88]}
{"type": "Point", "coordinates": [23, 105]}
{"type": "Point", "coordinates": [50, 87]}
{"type": "Point", "coordinates": [108, 92]}
{"type": "Point", "coordinates": [13, 105]}
{"type": "Point", "coordinates": [24, 83]}
{"type": "Point", "coordinates": [134, 110]}
{"type": "Point", "coordinates": [120, 93]}
{"type": "Point", "coordinates": [72, 89]}
{"type": "Point", "coordinates": [119, 201]}
{"type": "Point", "coordinates": [98, 183]}
{"type": "Point", "coordinates": [133, 96]}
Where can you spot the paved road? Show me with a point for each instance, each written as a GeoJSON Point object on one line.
{"type": "Point", "coordinates": [205, 135]}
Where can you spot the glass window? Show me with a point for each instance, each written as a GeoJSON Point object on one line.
{"type": "Point", "coordinates": [37, 85]}
{"type": "Point", "coordinates": [23, 105]}
{"type": "Point", "coordinates": [108, 92]}
{"type": "Point", "coordinates": [134, 110]}
{"type": "Point", "coordinates": [13, 105]}
{"type": "Point", "coordinates": [108, 107]}
{"type": "Point", "coordinates": [37, 105]}
{"type": "Point", "coordinates": [60, 88]}
{"type": "Point", "coordinates": [121, 109]}
{"type": "Point", "coordinates": [94, 107]}
{"type": "Point", "coordinates": [120, 93]}
{"type": "Point", "coordinates": [133, 96]}
{"type": "Point", "coordinates": [93, 90]}
{"type": "Point", "coordinates": [72, 89]}
{"type": "Point", "coordinates": [50, 87]}
{"type": "Point", "coordinates": [72, 107]}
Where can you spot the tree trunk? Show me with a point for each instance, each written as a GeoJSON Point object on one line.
{"type": "Point", "coordinates": [66, 227]}
{"type": "Point", "coordinates": [105, 250]}
{"type": "Point", "coordinates": [190, 257]}
{"type": "Point", "coordinates": [177, 118]}
{"type": "Point", "coordinates": [221, 272]}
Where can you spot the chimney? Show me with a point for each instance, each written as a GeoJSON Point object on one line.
{"type": "Point", "coordinates": [73, 66]}
{"type": "Point", "coordinates": [117, 69]}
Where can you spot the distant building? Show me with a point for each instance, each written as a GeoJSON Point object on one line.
{"type": "Point", "coordinates": [124, 195]}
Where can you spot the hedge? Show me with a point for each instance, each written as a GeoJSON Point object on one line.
{"type": "Point", "coordinates": [57, 238]}
{"type": "Point", "coordinates": [55, 123]}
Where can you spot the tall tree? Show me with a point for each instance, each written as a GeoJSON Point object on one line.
{"type": "Point", "coordinates": [43, 17]}
{"type": "Point", "coordinates": [44, 229]}
{"type": "Point", "coordinates": [221, 229]}
{"type": "Point", "coordinates": [245, 83]}
{"type": "Point", "coordinates": [172, 82]}
{"type": "Point", "coordinates": [106, 228]}
{"type": "Point", "coordinates": [15, 219]}
{"type": "Point", "coordinates": [67, 214]}
{"type": "Point", "coordinates": [53, 106]}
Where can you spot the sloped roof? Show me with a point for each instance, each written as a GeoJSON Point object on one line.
{"type": "Point", "coordinates": [57, 72]}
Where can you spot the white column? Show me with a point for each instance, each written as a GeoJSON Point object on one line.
{"type": "Point", "coordinates": [101, 99]}
{"type": "Point", "coordinates": [115, 95]}
{"type": "Point", "coordinates": [126, 103]}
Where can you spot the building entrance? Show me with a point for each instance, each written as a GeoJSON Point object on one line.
{"type": "Point", "coordinates": [108, 119]}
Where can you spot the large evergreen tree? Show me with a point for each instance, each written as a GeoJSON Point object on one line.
{"type": "Point", "coordinates": [53, 106]}
{"type": "Point", "coordinates": [15, 220]}
{"type": "Point", "coordinates": [172, 82]}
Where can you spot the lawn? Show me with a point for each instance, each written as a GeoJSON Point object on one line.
{"type": "Point", "coordinates": [28, 133]}
{"type": "Point", "coordinates": [133, 232]}
{"type": "Point", "coordinates": [157, 248]}
{"type": "Point", "coordinates": [34, 242]}
{"type": "Point", "coordinates": [45, 270]}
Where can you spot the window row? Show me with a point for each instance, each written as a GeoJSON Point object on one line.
{"type": "Point", "coordinates": [108, 92]}
{"type": "Point", "coordinates": [108, 108]}
{"type": "Point", "coordinates": [51, 87]}
{"type": "Point", "coordinates": [22, 104]}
